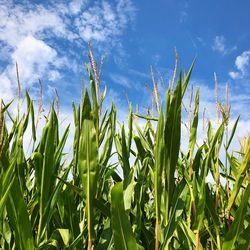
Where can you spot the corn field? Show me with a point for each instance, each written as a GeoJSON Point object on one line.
{"type": "Point", "coordinates": [153, 196]}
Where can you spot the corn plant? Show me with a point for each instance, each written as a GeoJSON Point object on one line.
{"type": "Point", "coordinates": [152, 195]}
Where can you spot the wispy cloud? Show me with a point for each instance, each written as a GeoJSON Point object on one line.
{"type": "Point", "coordinates": [120, 80]}
{"type": "Point", "coordinates": [102, 22]}
{"type": "Point", "coordinates": [139, 73]}
{"type": "Point", "coordinates": [76, 6]}
{"type": "Point", "coordinates": [219, 44]}
{"type": "Point", "coordinates": [241, 64]}
{"type": "Point", "coordinates": [183, 16]}
{"type": "Point", "coordinates": [156, 58]}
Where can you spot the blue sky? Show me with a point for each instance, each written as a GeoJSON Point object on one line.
{"type": "Point", "coordinates": [48, 39]}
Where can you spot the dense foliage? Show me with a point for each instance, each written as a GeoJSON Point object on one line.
{"type": "Point", "coordinates": [153, 197]}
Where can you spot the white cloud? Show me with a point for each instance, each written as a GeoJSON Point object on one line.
{"type": "Point", "coordinates": [34, 58]}
{"type": "Point", "coordinates": [54, 75]}
{"type": "Point", "coordinates": [183, 16]}
{"type": "Point", "coordinates": [234, 74]}
{"type": "Point", "coordinates": [125, 11]}
{"type": "Point", "coordinates": [31, 34]}
{"type": "Point", "coordinates": [219, 44]}
{"type": "Point", "coordinates": [139, 73]}
{"type": "Point", "coordinates": [121, 80]}
{"type": "Point", "coordinates": [241, 63]}
{"type": "Point", "coordinates": [156, 58]}
{"type": "Point", "coordinates": [126, 82]}
{"type": "Point", "coordinates": [77, 19]}
{"type": "Point", "coordinates": [20, 21]}
{"type": "Point", "coordinates": [103, 22]}
{"type": "Point", "coordinates": [23, 30]}
{"type": "Point", "coordinates": [77, 5]}
{"type": "Point", "coordinates": [6, 88]}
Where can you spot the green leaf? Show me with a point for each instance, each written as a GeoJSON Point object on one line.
{"type": "Point", "coordinates": [237, 225]}
{"type": "Point", "coordinates": [172, 137]}
{"type": "Point", "coordinates": [122, 231]}
{"type": "Point", "coordinates": [88, 162]}
{"type": "Point", "coordinates": [241, 174]}
{"type": "Point", "coordinates": [45, 173]}
{"type": "Point", "coordinates": [187, 78]}
{"type": "Point", "coordinates": [61, 235]}
{"type": "Point", "coordinates": [201, 194]}
{"type": "Point", "coordinates": [129, 189]}
{"type": "Point", "coordinates": [130, 127]}
{"type": "Point", "coordinates": [19, 218]}
{"type": "Point", "coordinates": [107, 148]}
{"type": "Point", "coordinates": [233, 132]}
{"type": "Point", "coordinates": [31, 108]}
{"type": "Point", "coordinates": [158, 168]}
{"type": "Point", "coordinates": [177, 208]}
{"type": "Point", "coordinates": [189, 235]}
{"type": "Point", "coordinates": [125, 154]}
{"type": "Point", "coordinates": [193, 129]}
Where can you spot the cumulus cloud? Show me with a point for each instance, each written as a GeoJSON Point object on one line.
{"type": "Point", "coordinates": [6, 87]}
{"type": "Point", "coordinates": [34, 57]}
{"type": "Point", "coordinates": [241, 64]}
{"type": "Point", "coordinates": [18, 21]}
{"type": "Point", "coordinates": [32, 35]}
{"type": "Point", "coordinates": [234, 74]}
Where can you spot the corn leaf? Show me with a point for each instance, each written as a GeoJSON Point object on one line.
{"type": "Point", "coordinates": [122, 231]}
{"type": "Point", "coordinates": [88, 162]}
